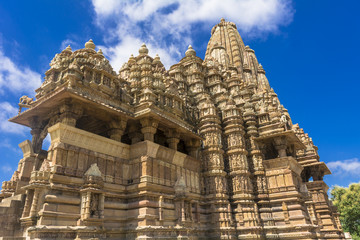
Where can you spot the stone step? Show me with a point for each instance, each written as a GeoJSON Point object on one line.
{"type": "Point", "coordinates": [12, 238]}
{"type": "Point", "coordinates": [6, 202]}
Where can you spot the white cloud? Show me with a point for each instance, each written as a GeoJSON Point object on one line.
{"type": "Point", "coordinates": [68, 42]}
{"type": "Point", "coordinates": [17, 79]}
{"type": "Point", "coordinates": [7, 111]}
{"type": "Point", "coordinates": [6, 169]}
{"type": "Point", "coordinates": [120, 53]}
{"type": "Point", "coordinates": [163, 24]}
{"type": "Point", "coordinates": [349, 166]}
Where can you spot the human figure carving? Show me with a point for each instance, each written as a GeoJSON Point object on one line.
{"type": "Point", "coordinates": [284, 122]}
{"type": "Point", "coordinates": [94, 205]}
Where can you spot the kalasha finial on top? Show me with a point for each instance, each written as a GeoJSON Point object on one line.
{"type": "Point", "coordinates": [90, 44]}
{"type": "Point", "coordinates": [190, 52]}
{"type": "Point", "coordinates": [156, 59]}
{"type": "Point", "coordinates": [143, 49]}
{"type": "Point", "coordinates": [67, 50]}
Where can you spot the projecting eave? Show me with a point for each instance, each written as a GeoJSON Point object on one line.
{"type": "Point", "coordinates": [321, 166]}
{"type": "Point", "coordinates": [168, 120]}
{"type": "Point", "coordinates": [290, 136]}
{"type": "Point", "coordinates": [47, 104]}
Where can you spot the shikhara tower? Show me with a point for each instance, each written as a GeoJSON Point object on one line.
{"type": "Point", "coordinates": [204, 150]}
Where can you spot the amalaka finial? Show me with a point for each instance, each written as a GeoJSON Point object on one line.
{"type": "Point", "coordinates": [90, 44]}
{"type": "Point", "coordinates": [67, 49]}
{"type": "Point", "coordinates": [157, 58]}
{"type": "Point", "coordinates": [143, 49]}
{"type": "Point", "coordinates": [222, 20]}
{"type": "Point", "coordinates": [190, 52]}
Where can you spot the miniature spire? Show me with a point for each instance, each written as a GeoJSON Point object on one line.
{"type": "Point", "coordinates": [190, 52]}
{"type": "Point", "coordinates": [90, 44]}
{"type": "Point", "coordinates": [93, 171]}
{"type": "Point", "coordinates": [67, 49]}
{"type": "Point", "coordinates": [261, 69]}
{"type": "Point", "coordinates": [156, 59]}
{"type": "Point", "coordinates": [143, 49]}
{"type": "Point", "coordinates": [100, 51]}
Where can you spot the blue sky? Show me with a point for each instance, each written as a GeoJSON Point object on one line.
{"type": "Point", "coordinates": [309, 49]}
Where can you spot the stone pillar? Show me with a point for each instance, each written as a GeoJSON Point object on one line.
{"type": "Point", "coordinates": [161, 211]}
{"type": "Point", "coordinates": [116, 129]}
{"type": "Point", "coordinates": [173, 138]}
{"type": "Point", "coordinates": [182, 205]}
{"type": "Point", "coordinates": [87, 204]}
{"type": "Point", "coordinates": [34, 205]}
{"type": "Point", "coordinates": [134, 134]}
{"type": "Point", "coordinates": [214, 173]}
{"type": "Point", "coordinates": [36, 130]}
{"type": "Point", "coordinates": [149, 128]}
{"type": "Point", "coordinates": [281, 145]}
{"type": "Point", "coordinates": [261, 207]}
{"type": "Point", "coordinates": [28, 201]}
{"type": "Point", "coordinates": [70, 113]}
{"type": "Point", "coordinates": [193, 146]}
{"type": "Point", "coordinates": [101, 205]}
{"type": "Point", "coordinates": [146, 168]}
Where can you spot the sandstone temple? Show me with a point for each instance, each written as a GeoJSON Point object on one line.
{"type": "Point", "coordinates": [204, 150]}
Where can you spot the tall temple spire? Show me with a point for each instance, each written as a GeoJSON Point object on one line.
{"type": "Point", "coordinates": [226, 40]}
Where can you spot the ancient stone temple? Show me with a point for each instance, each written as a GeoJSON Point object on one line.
{"type": "Point", "coordinates": [204, 150]}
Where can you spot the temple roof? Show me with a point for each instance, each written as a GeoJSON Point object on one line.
{"type": "Point", "coordinates": [225, 44]}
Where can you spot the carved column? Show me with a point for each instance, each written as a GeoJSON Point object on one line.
{"type": "Point", "coordinates": [161, 210]}
{"type": "Point", "coordinates": [134, 133]}
{"type": "Point", "coordinates": [280, 144]}
{"type": "Point", "coordinates": [149, 128]}
{"type": "Point", "coordinates": [262, 201]}
{"type": "Point", "coordinates": [28, 202]}
{"type": "Point", "coordinates": [36, 129]}
{"type": "Point", "coordinates": [173, 138]}
{"type": "Point", "coordinates": [70, 113]}
{"type": "Point", "coordinates": [193, 147]}
{"type": "Point", "coordinates": [246, 214]}
{"type": "Point", "coordinates": [116, 129]}
{"type": "Point", "coordinates": [34, 205]}
{"type": "Point", "coordinates": [214, 174]}
{"type": "Point", "coordinates": [101, 205]}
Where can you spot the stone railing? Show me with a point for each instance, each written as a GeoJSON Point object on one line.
{"type": "Point", "coordinates": [83, 139]}
{"type": "Point", "coordinates": [39, 177]}
{"type": "Point", "coordinates": [8, 186]}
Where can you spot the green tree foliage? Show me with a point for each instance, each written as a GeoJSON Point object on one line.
{"type": "Point", "coordinates": [347, 200]}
